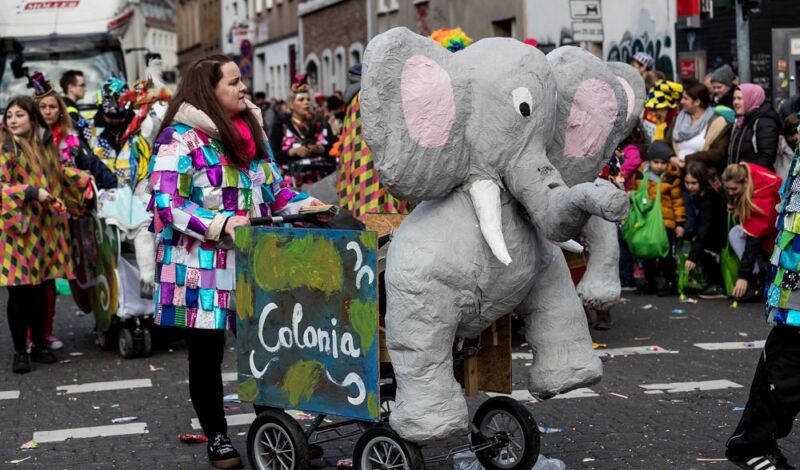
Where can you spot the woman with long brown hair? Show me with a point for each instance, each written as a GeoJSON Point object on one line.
{"type": "Point", "coordinates": [212, 170]}
{"type": "Point", "coordinates": [752, 198]}
{"type": "Point", "coordinates": [34, 238]}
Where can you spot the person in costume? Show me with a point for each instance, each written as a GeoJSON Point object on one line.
{"type": "Point", "coordinates": [110, 123]}
{"type": "Point", "coordinates": [301, 135]}
{"type": "Point", "coordinates": [774, 399]}
{"type": "Point", "coordinates": [212, 169]}
{"type": "Point", "coordinates": [752, 197]}
{"type": "Point", "coordinates": [73, 153]}
{"type": "Point", "coordinates": [661, 108]}
{"type": "Point", "coordinates": [37, 189]}
{"type": "Point", "coordinates": [72, 150]}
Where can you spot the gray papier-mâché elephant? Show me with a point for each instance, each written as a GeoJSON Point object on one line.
{"type": "Point", "coordinates": [468, 134]}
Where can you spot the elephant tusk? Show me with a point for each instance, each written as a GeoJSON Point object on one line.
{"type": "Point", "coordinates": [485, 196]}
{"type": "Point", "coordinates": [571, 246]}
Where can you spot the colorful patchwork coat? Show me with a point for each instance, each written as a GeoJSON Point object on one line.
{"type": "Point", "coordinates": [194, 191]}
{"type": "Point", "coordinates": [783, 296]}
{"type": "Point", "coordinates": [34, 238]}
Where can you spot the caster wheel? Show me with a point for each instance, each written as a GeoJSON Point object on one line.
{"type": "Point", "coordinates": [508, 423]}
{"type": "Point", "coordinates": [380, 448]}
{"type": "Point", "coordinates": [276, 442]}
{"type": "Point", "coordinates": [388, 392]}
{"type": "Point", "coordinates": [105, 339]}
{"type": "Point", "coordinates": [147, 342]}
{"type": "Point", "coordinates": [126, 344]}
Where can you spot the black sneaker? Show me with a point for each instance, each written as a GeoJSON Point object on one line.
{"type": "Point", "coordinates": [222, 454]}
{"type": "Point", "coordinates": [667, 290]}
{"type": "Point", "coordinates": [43, 355]}
{"type": "Point", "coordinates": [21, 364]}
{"type": "Point", "coordinates": [773, 460]}
{"type": "Point", "coordinates": [628, 285]}
{"type": "Point", "coordinates": [713, 292]}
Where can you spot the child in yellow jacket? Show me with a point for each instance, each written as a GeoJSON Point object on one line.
{"type": "Point", "coordinates": [660, 172]}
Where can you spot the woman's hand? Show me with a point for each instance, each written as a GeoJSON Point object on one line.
{"type": "Point", "coordinates": [679, 232]}
{"type": "Point", "coordinates": [299, 152]}
{"type": "Point", "coordinates": [317, 149]}
{"type": "Point", "coordinates": [233, 222]}
{"type": "Point", "coordinates": [44, 195]}
{"type": "Point", "coordinates": [312, 201]}
{"type": "Point", "coordinates": [740, 289]}
{"type": "Point", "coordinates": [677, 162]}
{"type": "Point", "coordinates": [689, 265]}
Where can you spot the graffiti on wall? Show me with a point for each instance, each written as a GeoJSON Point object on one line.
{"type": "Point", "coordinates": [647, 40]}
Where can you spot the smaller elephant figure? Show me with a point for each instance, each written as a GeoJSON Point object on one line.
{"type": "Point", "coordinates": [467, 134]}
{"type": "Point", "coordinates": [599, 288]}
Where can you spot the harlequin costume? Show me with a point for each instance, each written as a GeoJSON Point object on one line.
{"type": "Point", "coordinates": [195, 190]}
{"type": "Point", "coordinates": [358, 186]}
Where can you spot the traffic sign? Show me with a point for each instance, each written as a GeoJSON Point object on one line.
{"type": "Point", "coordinates": [246, 48]}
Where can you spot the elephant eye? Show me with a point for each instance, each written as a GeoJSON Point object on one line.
{"type": "Point", "coordinates": [523, 101]}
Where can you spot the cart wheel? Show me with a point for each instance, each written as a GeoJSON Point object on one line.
{"type": "Point", "coordinates": [511, 424]}
{"type": "Point", "coordinates": [276, 441]}
{"type": "Point", "coordinates": [125, 344]}
{"type": "Point", "coordinates": [388, 392]}
{"type": "Point", "coordinates": [105, 339]}
{"type": "Point", "coordinates": [382, 448]}
{"type": "Point", "coordinates": [147, 342]}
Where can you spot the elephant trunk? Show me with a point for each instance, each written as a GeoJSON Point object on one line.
{"type": "Point", "coordinates": [559, 211]}
{"type": "Point", "coordinates": [485, 196]}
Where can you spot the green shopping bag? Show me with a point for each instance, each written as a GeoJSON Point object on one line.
{"type": "Point", "coordinates": [694, 280]}
{"type": "Point", "coordinates": [729, 263]}
{"type": "Point", "coordinates": [644, 230]}
{"type": "Point", "coordinates": [62, 287]}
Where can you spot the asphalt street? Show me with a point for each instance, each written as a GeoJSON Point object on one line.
{"type": "Point", "coordinates": [671, 394]}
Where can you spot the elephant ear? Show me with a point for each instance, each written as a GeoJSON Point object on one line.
{"type": "Point", "coordinates": [413, 113]}
{"type": "Point", "coordinates": [635, 92]}
{"type": "Point", "coordinates": [591, 113]}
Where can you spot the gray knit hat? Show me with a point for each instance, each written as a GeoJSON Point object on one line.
{"type": "Point", "coordinates": [723, 75]}
{"type": "Point", "coordinates": [659, 150]}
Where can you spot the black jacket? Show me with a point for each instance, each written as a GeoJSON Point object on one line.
{"type": "Point", "coordinates": [710, 233]}
{"type": "Point", "coordinates": [87, 161]}
{"type": "Point", "coordinates": [726, 100]}
{"type": "Point", "coordinates": [762, 126]}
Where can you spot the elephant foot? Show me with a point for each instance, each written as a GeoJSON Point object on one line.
{"type": "Point", "coordinates": [424, 419]}
{"type": "Point", "coordinates": [561, 369]}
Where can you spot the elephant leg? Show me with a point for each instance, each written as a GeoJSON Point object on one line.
{"type": "Point", "coordinates": [557, 331]}
{"type": "Point", "coordinates": [420, 330]}
{"type": "Point", "coordinates": [600, 287]}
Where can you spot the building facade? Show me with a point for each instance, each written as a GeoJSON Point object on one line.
{"type": "Point", "coordinates": [774, 45]}
{"type": "Point", "coordinates": [478, 18]}
{"type": "Point", "coordinates": [198, 26]}
{"type": "Point", "coordinates": [160, 37]}
{"type": "Point", "coordinates": [333, 35]}
{"type": "Point", "coordinates": [276, 59]}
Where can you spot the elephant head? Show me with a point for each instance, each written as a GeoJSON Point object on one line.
{"type": "Point", "coordinates": [599, 105]}
{"type": "Point", "coordinates": [478, 120]}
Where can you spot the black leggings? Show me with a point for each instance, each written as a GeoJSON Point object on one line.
{"type": "Point", "coordinates": [206, 348]}
{"type": "Point", "coordinates": [27, 309]}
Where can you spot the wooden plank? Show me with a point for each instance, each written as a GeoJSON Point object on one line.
{"type": "Point", "coordinates": [384, 224]}
{"type": "Point", "coordinates": [494, 359]}
{"type": "Point", "coordinates": [471, 376]}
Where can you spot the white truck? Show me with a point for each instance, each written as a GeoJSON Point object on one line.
{"type": "Point", "coordinates": [98, 37]}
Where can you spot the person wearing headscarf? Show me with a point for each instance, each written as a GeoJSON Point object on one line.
{"type": "Point", "coordinates": [757, 129]}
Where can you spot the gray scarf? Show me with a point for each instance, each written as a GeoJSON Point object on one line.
{"type": "Point", "coordinates": [685, 130]}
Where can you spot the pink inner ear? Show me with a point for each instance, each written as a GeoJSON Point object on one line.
{"type": "Point", "coordinates": [628, 94]}
{"type": "Point", "coordinates": [428, 104]}
{"type": "Point", "coordinates": [591, 118]}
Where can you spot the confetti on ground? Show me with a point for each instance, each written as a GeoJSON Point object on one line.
{"type": "Point", "coordinates": [19, 460]}
{"type": "Point", "coordinates": [587, 460]}
{"type": "Point", "coordinates": [711, 460]}
{"type": "Point", "coordinates": [345, 463]}
{"type": "Point", "coordinates": [126, 419]}
{"type": "Point", "coordinates": [742, 334]}
{"type": "Point", "coordinates": [647, 307]}
{"type": "Point", "coordinates": [154, 368]}
{"type": "Point", "coordinates": [76, 354]}
{"type": "Point", "coordinates": [599, 345]}
{"type": "Point", "coordinates": [32, 444]}
{"type": "Point", "coordinates": [738, 408]}
{"type": "Point", "coordinates": [641, 338]}
{"type": "Point", "coordinates": [617, 395]}
{"type": "Point", "coordinates": [549, 430]}
{"type": "Point", "coordinates": [66, 361]}
{"type": "Point", "coordinates": [188, 438]}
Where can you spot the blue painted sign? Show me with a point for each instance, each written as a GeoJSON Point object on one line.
{"type": "Point", "coordinates": [307, 308]}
